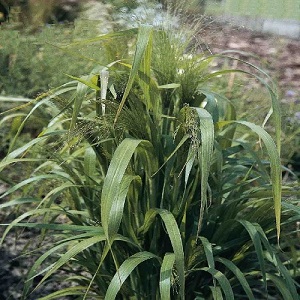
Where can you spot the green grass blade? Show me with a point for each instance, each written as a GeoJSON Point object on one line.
{"type": "Point", "coordinates": [180, 144]}
{"type": "Point", "coordinates": [174, 234]}
{"type": "Point", "coordinates": [28, 214]}
{"type": "Point", "coordinates": [20, 201]}
{"type": "Point", "coordinates": [24, 148]}
{"type": "Point", "coordinates": [144, 36]}
{"type": "Point", "coordinates": [189, 165]}
{"type": "Point", "coordinates": [208, 252]}
{"type": "Point", "coordinates": [275, 164]}
{"type": "Point", "coordinates": [124, 271]}
{"type": "Point", "coordinates": [166, 276]}
{"type": "Point", "coordinates": [169, 86]}
{"type": "Point", "coordinates": [116, 211]}
{"type": "Point", "coordinates": [223, 281]}
{"type": "Point", "coordinates": [207, 143]}
{"type": "Point", "coordinates": [35, 269]}
{"type": "Point", "coordinates": [239, 275]}
{"type": "Point", "coordinates": [70, 291]}
{"type": "Point", "coordinates": [11, 157]}
{"type": "Point", "coordinates": [282, 287]}
{"type": "Point", "coordinates": [145, 72]}
{"type": "Point", "coordinates": [102, 37]}
{"type": "Point", "coordinates": [149, 219]}
{"type": "Point", "coordinates": [289, 282]}
{"type": "Point", "coordinates": [216, 292]}
{"type": "Point", "coordinates": [33, 272]}
{"type": "Point", "coordinates": [274, 99]}
{"type": "Point", "coordinates": [113, 182]}
{"type": "Point", "coordinates": [61, 227]}
{"type": "Point", "coordinates": [85, 81]}
{"type": "Point", "coordinates": [90, 162]}
{"type": "Point", "coordinates": [255, 237]}
{"type": "Point", "coordinates": [175, 238]}
{"type": "Point", "coordinates": [79, 247]}
{"type": "Point", "coordinates": [80, 95]}
{"type": "Point", "coordinates": [276, 174]}
{"type": "Point", "coordinates": [291, 207]}
{"type": "Point", "coordinates": [276, 106]}
{"type": "Point", "coordinates": [43, 99]}
{"type": "Point", "coordinates": [28, 181]}
{"type": "Point", "coordinates": [11, 117]}
{"type": "Point", "coordinates": [6, 162]}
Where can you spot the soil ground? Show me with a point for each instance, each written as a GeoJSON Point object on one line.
{"type": "Point", "coordinates": [279, 55]}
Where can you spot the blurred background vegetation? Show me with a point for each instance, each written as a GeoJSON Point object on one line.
{"type": "Point", "coordinates": [30, 57]}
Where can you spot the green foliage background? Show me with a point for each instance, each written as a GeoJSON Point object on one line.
{"type": "Point", "coordinates": [31, 64]}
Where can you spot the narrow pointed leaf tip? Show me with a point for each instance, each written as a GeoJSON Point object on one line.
{"type": "Point", "coordinates": [124, 272]}
{"type": "Point", "coordinates": [142, 45]}
{"type": "Point", "coordinates": [275, 166]}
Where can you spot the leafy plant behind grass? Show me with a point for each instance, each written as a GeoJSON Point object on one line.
{"type": "Point", "coordinates": [155, 192]}
{"type": "Point", "coordinates": [31, 64]}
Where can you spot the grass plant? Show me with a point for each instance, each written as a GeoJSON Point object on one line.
{"type": "Point", "coordinates": [147, 187]}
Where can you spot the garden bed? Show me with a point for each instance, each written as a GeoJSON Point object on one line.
{"type": "Point", "coordinates": [282, 58]}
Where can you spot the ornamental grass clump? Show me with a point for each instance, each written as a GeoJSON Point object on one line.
{"type": "Point", "coordinates": [154, 193]}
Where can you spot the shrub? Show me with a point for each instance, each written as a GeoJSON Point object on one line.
{"type": "Point", "coordinates": [148, 185]}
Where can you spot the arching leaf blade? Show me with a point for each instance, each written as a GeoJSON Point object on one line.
{"type": "Point", "coordinates": [124, 272]}
{"type": "Point", "coordinates": [144, 36]}
{"type": "Point", "coordinates": [166, 276]}
{"type": "Point", "coordinates": [223, 281]}
{"type": "Point", "coordinates": [275, 164]}
{"type": "Point", "coordinates": [205, 156]}
{"type": "Point", "coordinates": [113, 180]}
{"type": "Point", "coordinates": [239, 275]}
